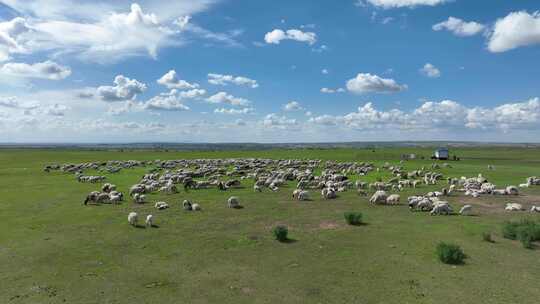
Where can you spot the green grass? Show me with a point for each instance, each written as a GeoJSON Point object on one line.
{"type": "Point", "coordinates": [54, 250]}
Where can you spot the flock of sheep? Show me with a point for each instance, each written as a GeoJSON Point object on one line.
{"type": "Point", "coordinates": [169, 176]}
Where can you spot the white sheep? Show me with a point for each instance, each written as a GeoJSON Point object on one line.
{"type": "Point", "coordinates": [149, 220]}
{"type": "Point", "coordinates": [513, 207]}
{"type": "Point", "coordinates": [161, 205]}
{"type": "Point", "coordinates": [133, 218]}
{"type": "Point", "coordinates": [441, 207]}
{"type": "Point", "coordinates": [303, 196]}
{"type": "Point", "coordinates": [186, 204]}
{"type": "Point", "coordinates": [196, 207]}
{"type": "Point", "coordinates": [512, 190]}
{"type": "Point", "coordinates": [233, 202]}
{"type": "Point", "coordinates": [535, 209]}
{"type": "Point", "coordinates": [465, 210]}
{"type": "Point", "coordinates": [378, 197]}
{"type": "Point", "coordinates": [393, 199]}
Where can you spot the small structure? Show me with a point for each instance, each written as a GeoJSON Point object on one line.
{"type": "Point", "coordinates": [441, 154]}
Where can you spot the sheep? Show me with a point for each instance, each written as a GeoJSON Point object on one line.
{"type": "Point", "coordinates": [92, 197]}
{"type": "Point", "coordinates": [257, 188]}
{"type": "Point", "coordinates": [527, 185]}
{"type": "Point", "coordinates": [378, 197]}
{"type": "Point", "coordinates": [108, 187]}
{"type": "Point", "coordinates": [513, 207]}
{"type": "Point", "coordinates": [303, 196]}
{"type": "Point", "coordinates": [535, 209]}
{"type": "Point", "coordinates": [149, 220]}
{"type": "Point", "coordinates": [328, 193]}
{"type": "Point", "coordinates": [133, 218]}
{"type": "Point", "coordinates": [465, 210]}
{"type": "Point", "coordinates": [512, 190]}
{"type": "Point", "coordinates": [233, 202]}
{"type": "Point", "coordinates": [393, 199]}
{"type": "Point", "coordinates": [139, 198]}
{"type": "Point", "coordinates": [186, 204]}
{"type": "Point", "coordinates": [295, 193]}
{"type": "Point", "coordinates": [161, 205]}
{"type": "Point", "coordinates": [441, 207]}
{"type": "Point", "coordinates": [196, 207]}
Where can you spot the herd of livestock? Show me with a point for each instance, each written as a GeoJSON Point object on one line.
{"type": "Point", "coordinates": [328, 177]}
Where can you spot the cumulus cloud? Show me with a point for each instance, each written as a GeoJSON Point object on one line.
{"type": "Point", "coordinates": [459, 27]}
{"type": "Point", "coordinates": [124, 89]}
{"type": "Point", "coordinates": [332, 91]}
{"type": "Point", "coordinates": [171, 81]}
{"type": "Point", "coordinates": [278, 35]}
{"type": "Point", "coordinates": [11, 40]}
{"type": "Point", "coordinates": [292, 106]}
{"type": "Point", "coordinates": [44, 70]}
{"type": "Point", "coordinates": [279, 122]}
{"type": "Point", "coordinates": [219, 79]}
{"type": "Point", "coordinates": [367, 83]}
{"type": "Point", "coordinates": [430, 71]}
{"type": "Point", "coordinates": [223, 97]}
{"type": "Point", "coordinates": [165, 102]}
{"type": "Point", "coordinates": [14, 103]}
{"type": "Point", "coordinates": [517, 29]}
{"type": "Point", "coordinates": [234, 111]}
{"type": "Point", "coordinates": [388, 4]}
{"type": "Point", "coordinates": [440, 116]}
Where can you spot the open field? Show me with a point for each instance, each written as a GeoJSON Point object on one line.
{"type": "Point", "coordinates": [55, 250]}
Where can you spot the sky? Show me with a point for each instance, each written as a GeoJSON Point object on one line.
{"type": "Point", "coordinates": [269, 71]}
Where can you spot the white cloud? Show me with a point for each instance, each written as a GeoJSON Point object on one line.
{"type": "Point", "coordinates": [124, 89]}
{"type": "Point", "coordinates": [219, 79]}
{"type": "Point", "coordinates": [292, 106]}
{"type": "Point", "coordinates": [517, 29]}
{"type": "Point", "coordinates": [460, 27]}
{"type": "Point", "coordinates": [45, 70]}
{"type": "Point", "coordinates": [332, 91]}
{"type": "Point", "coordinates": [368, 83]}
{"type": "Point", "coordinates": [277, 35]}
{"type": "Point", "coordinates": [279, 122]}
{"type": "Point", "coordinates": [388, 4]}
{"type": "Point", "coordinates": [10, 37]}
{"type": "Point", "coordinates": [223, 97]}
{"type": "Point", "coordinates": [234, 111]}
{"type": "Point", "coordinates": [430, 71]}
{"type": "Point", "coordinates": [165, 102]}
{"type": "Point", "coordinates": [171, 81]}
{"type": "Point", "coordinates": [324, 71]}
{"type": "Point", "coordinates": [191, 94]}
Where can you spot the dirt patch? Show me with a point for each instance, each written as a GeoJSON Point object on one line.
{"type": "Point", "coordinates": [495, 204]}
{"type": "Point", "coordinates": [329, 225]}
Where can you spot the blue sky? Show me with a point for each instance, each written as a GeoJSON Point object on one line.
{"type": "Point", "coordinates": [273, 71]}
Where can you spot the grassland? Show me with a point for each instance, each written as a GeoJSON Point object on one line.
{"type": "Point", "coordinates": [54, 250]}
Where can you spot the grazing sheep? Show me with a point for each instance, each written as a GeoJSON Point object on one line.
{"type": "Point", "coordinates": [465, 210]}
{"type": "Point", "coordinates": [161, 205]}
{"type": "Point", "coordinates": [441, 207]}
{"type": "Point", "coordinates": [513, 207]}
{"type": "Point", "coordinates": [186, 204]}
{"type": "Point", "coordinates": [139, 198]}
{"type": "Point", "coordinates": [535, 209]}
{"type": "Point", "coordinates": [133, 218]}
{"type": "Point", "coordinates": [378, 197]}
{"type": "Point", "coordinates": [92, 197]}
{"type": "Point", "coordinates": [527, 185]}
{"type": "Point", "coordinates": [149, 220]}
{"type": "Point", "coordinates": [328, 193]}
{"type": "Point", "coordinates": [393, 199]}
{"type": "Point", "coordinates": [233, 202]}
{"type": "Point", "coordinates": [108, 187]}
{"type": "Point", "coordinates": [295, 193]}
{"type": "Point", "coordinates": [196, 207]}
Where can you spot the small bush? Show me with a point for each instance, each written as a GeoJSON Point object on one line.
{"type": "Point", "coordinates": [450, 253]}
{"type": "Point", "coordinates": [353, 218]}
{"type": "Point", "coordinates": [526, 231]}
{"type": "Point", "coordinates": [486, 236]}
{"type": "Point", "coordinates": [509, 230]}
{"type": "Point", "coordinates": [280, 233]}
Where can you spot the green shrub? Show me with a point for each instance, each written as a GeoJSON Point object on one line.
{"type": "Point", "coordinates": [280, 233]}
{"type": "Point", "coordinates": [509, 230]}
{"type": "Point", "coordinates": [486, 236]}
{"type": "Point", "coordinates": [450, 253]}
{"type": "Point", "coordinates": [353, 218]}
{"type": "Point", "coordinates": [526, 231]}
